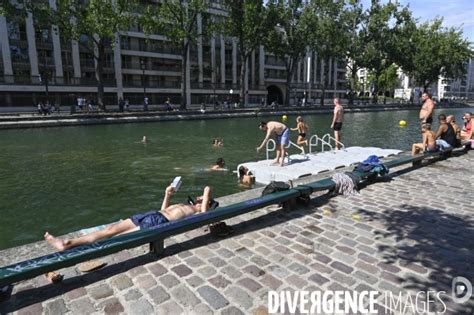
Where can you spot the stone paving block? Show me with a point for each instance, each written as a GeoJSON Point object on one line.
{"type": "Point", "coordinates": [158, 295]}
{"type": "Point", "coordinates": [136, 271]}
{"type": "Point", "coordinates": [121, 282]}
{"type": "Point", "coordinates": [141, 306]}
{"type": "Point", "coordinates": [271, 282]}
{"type": "Point", "coordinates": [157, 269]}
{"type": "Point", "coordinates": [76, 293]}
{"type": "Point", "coordinates": [238, 261]}
{"type": "Point", "coordinates": [392, 277]}
{"type": "Point", "coordinates": [238, 296]}
{"type": "Point", "coordinates": [145, 282]}
{"type": "Point", "coordinates": [367, 258]}
{"type": "Point", "coordinates": [279, 259]}
{"type": "Point", "coordinates": [346, 250]}
{"type": "Point", "coordinates": [283, 250]}
{"type": "Point", "coordinates": [203, 253]}
{"type": "Point", "coordinates": [369, 278]}
{"type": "Point", "coordinates": [55, 307]}
{"type": "Point", "coordinates": [194, 262]}
{"type": "Point", "coordinates": [225, 253]}
{"type": "Point", "coordinates": [217, 262]}
{"type": "Point", "coordinates": [231, 271]}
{"type": "Point", "coordinates": [259, 261]}
{"type": "Point", "coordinates": [250, 284]}
{"type": "Point", "coordinates": [296, 281]}
{"type": "Point", "coordinates": [297, 268]}
{"type": "Point", "coordinates": [232, 310]}
{"type": "Point", "coordinates": [181, 270]}
{"type": "Point", "coordinates": [169, 307]}
{"type": "Point", "coordinates": [388, 267]}
{"type": "Point", "coordinates": [30, 310]}
{"type": "Point", "coordinates": [81, 306]}
{"type": "Point", "coordinates": [341, 267]}
{"type": "Point", "coordinates": [111, 306]}
{"type": "Point", "coordinates": [169, 281]}
{"type": "Point", "coordinates": [201, 309]}
{"type": "Point", "coordinates": [244, 252]}
{"type": "Point", "coordinates": [100, 291]}
{"type": "Point", "coordinates": [317, 278]}
{"type": "Point", "coordinates": [207, 271]}
{"type": "Point", "coordinates": [342, 278]}
{"type": "Point", "coordinates": [132, 295]}
{"type": "Point", "coordinates": [219, 281]}
{"type": "Point", "coordinates": [194, 281]}
{"type": "Point", "coordinates": [321, 268]}
{"type": "Point", "coordinates": [212, 297]}
{"type": "Point", "coordinates": [322, 258]}
{"type": "Point", "coordinates": [347, 259]}
{"type": "Point", "coordinates": [184, 296]}
{"type": "Point", "coordinates": [254, 271]}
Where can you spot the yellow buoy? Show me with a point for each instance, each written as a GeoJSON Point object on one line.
{"type": "Point", "coordinates": [402, 123]}
{"type": "Point", "coordinates": [284, 118]}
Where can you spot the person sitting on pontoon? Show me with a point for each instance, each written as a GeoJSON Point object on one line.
{"type": "Point", "coordinates": [151, 219]}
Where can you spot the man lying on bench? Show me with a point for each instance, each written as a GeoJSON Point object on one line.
{"type": "Point", "coordinates": [151, 219]}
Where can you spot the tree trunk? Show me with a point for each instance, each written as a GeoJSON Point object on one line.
{"type": "Point", "coordinates": [184, 77]}
{"type": "Point", "coordinates": [290, 71]}
{"type": "Point", "coordinates": [353, 85]}
{"type": "Point", "coordinates": [100, 75]}
{"type": "Point", "coordinates": [243, 73]}
{"type": "Point", "coordinates": [323, 89]}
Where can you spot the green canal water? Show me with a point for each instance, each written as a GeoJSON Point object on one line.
{"type": "Point", "coordinates": [68, 178]}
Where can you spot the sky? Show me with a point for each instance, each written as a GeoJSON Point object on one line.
{"type": "Point", "coordinates": [454, 12]}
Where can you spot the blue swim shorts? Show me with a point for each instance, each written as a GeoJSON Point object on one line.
{"type": "Point", "coordinates": [284, 138]}
{"type": "Point", "coordinates": [149, 219]}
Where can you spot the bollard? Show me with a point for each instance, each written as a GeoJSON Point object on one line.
{"type": "Point", "coordinates": [157, 247]}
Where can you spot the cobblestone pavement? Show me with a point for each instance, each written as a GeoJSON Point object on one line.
{"type": "Point", "coordinates": [411, 231]}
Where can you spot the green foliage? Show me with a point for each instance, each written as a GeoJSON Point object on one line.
{"type": "Point", "coordinates": [436, 51]}
{"type": "Point", "coordinates": [177, 20]}
{"type": "Point", "coordinates": [246, 21]}
{"type": "Point", "coordinates": [286, 30]}
{"type": "Point", "coordinates": [386, 80]}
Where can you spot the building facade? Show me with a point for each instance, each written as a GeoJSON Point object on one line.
{"type": "Point", "coordinates": [36, 64]}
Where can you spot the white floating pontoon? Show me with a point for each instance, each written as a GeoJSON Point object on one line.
{"type": "Point", "coordinates": [299, 165]}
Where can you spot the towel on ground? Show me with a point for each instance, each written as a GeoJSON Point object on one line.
{"type": "Point", "coordinates": [346, 184]}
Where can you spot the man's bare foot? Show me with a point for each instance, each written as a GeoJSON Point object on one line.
{"type": "Point", "coordinates": [54, 277]}
{"type": "Point", "coordinates": [55, 242]}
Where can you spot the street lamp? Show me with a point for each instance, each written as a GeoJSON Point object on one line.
{"type": "Point", "coordinates": [142, 66]}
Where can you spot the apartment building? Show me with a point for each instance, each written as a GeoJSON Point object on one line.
{"type": "Point", "coordinates": [36, 64]}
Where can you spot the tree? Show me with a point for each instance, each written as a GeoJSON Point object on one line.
{"type": "Point", "coordinates": [178, 20]}
{"type": "Point", "coordinates": [285, 37]}
{"type": "Point", "coordinates": [329, 34]}
{"type": "Point", "coordinates": [387, 80]}
{"type": "Point", "coordinates": [96, 23]}
{"type": "Point", "coordinates": [247, 22]}
{"type": "Point", "coordinates": [437, 51]}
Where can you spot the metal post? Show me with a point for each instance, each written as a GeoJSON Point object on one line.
{"type": "Point", "coordinates": [142, 66]}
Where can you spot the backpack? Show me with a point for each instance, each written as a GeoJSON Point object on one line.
{"type": "Point", "coordinates": [274, 187]}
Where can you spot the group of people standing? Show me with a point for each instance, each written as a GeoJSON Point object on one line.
{"type": "Point", "coordinates": [47, 108]}
{"type": "Point", "coordinates": [449, 134]}
{"type": "Point", "coordinates": [282, 133]}
{"type": "Point", "coordinates": [85, 104]}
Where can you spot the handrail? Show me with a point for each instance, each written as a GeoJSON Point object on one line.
{"type": "Point", "coordinates": [333, 139]}
{"type": "Point", "coordinates": [273, 143]}
{"type": "Point", "coordinates": [33, 267]}
{"type": "Point", "coordinates": [318, 139]}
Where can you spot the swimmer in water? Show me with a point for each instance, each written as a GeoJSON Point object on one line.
{"type": "Point", "coordinates": [219, 166]}
{"type": "Point", "coordinates": [218, 142]}
{"type": "Point", "coordinates": [144, 140]}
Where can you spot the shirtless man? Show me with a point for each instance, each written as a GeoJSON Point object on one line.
{"type": "Point", "coordinates": [337, 119]}
{"type": "Point", "coordinates": [466, 132]}
{"type": "Point", "coordinates": [426, 111]}
{"type": "Point", "coordinates": [429, 142]}
{"type": "Point", "coordinates": [282, 138]}
{"type": "Point", "coordinates": [138, 221]}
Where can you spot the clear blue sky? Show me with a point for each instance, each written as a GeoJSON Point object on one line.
{"type": "Point", "coordinates": [454, 12]}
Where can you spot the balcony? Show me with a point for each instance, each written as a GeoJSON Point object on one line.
{"type": "Point", "coordinates": [53, 81]}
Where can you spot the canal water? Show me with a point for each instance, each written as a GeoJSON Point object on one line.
{"type": "Point", "coordinates": [67, 178]}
